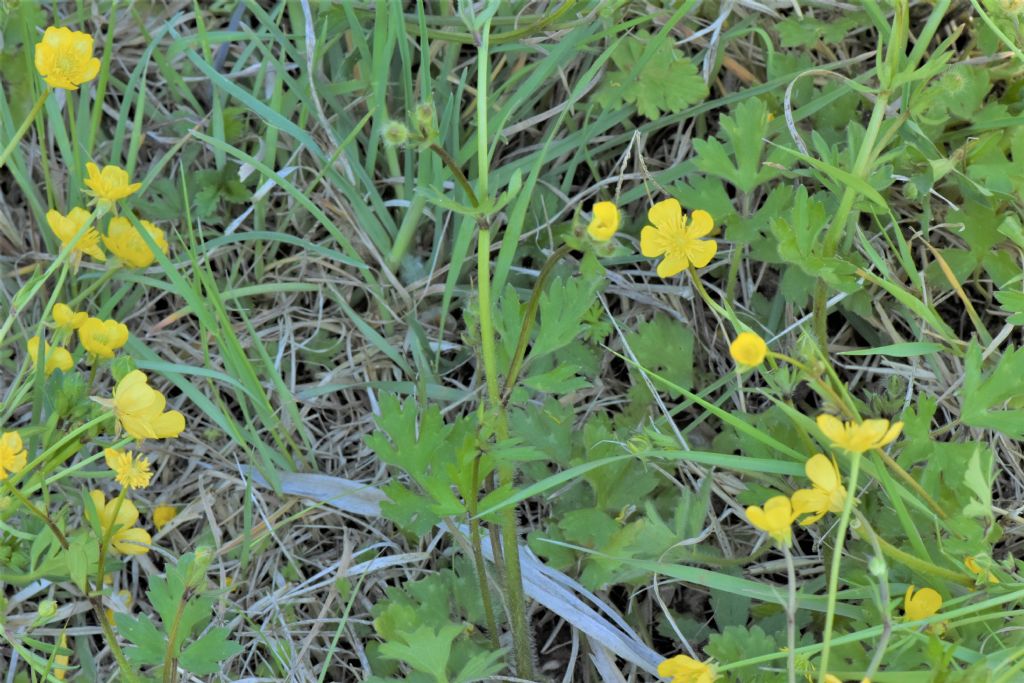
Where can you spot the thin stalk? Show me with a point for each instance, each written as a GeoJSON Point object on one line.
{"type": "Point", "coordinates": [837, 558]}
{"type": "Point", "coordinates": [699, 286]}
{"type": "Point", "coordinates": [45, 518]}
{"type": "Point", "coordinates": [23, 128]}
{"type": "Point", "coordinates": [883, 599]}
{"type": "Point", "coordinates": [529, 318]}
{"type": "Point", "coordinates": [478, 554]}
{"type": "Point", "coordinates": [97, 603]}
{"type": "Point", "coordinates": [453, 166]}
{"type": "Point", "coordinates": [170, 661]}
{"type": "Point", "coordinates": [509, 537]}
{"type": "Point", "coordinates": [830, 244]}
{"type": "Point", "coordinates": [910, 561]}
{"type": "Point", "coordinates": [790, 616]}
{"type": "Point", "coordinates": [96, 284]}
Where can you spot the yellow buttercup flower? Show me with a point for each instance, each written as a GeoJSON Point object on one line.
{"type": "Point", "coordinates": [857, 437]}
{"type": "Point", "coordinates": [125, 242]}
{"type": "Point", "coordinates": [140, 409]}
{"type": "Point", "coordinates": [921, 604]}
{"type": "Point", "coordinates": [775, 519]}
{"type": "Point", "coordinates": [64, 58]}
{"type": "Point", "coordinates": [973, 567]}
{"type": "Point", "coordinates": [748, 349]}
{"type": "Point", "coordinates": [67, 320]}
{"type": "Point", "coordinates": [605, 222]}
{"type": "Point", "coordinates": [132, 471]}
{"type": "Point", "coordinates": [677, 238]}
{"type": "Point", "coordinates": [110, 185]}
{"type": "Point", "coordinates": [126, 538]}
{"type": "Point", "coordinates": [66, 227]}
{"type": "Point", "coordinates": [12, 454]}
{"type": "Point", "coordinates": [684, 669]}
{"type": "Point", "coordinates": [57, 357]}
{"type": "Point", "coordinates": [162, 514]}
{"type": "Point", "coordinates": [102, 338]}
{"type": "Point", "coordinates": [828, 494]}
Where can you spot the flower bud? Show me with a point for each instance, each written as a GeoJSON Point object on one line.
{"type": "Point", "coordinates": [395, 134]}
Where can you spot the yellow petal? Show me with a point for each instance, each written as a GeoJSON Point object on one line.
{"type": "Point", "coordinates": [701, 223]}
{"type": "Point", "coordinates": [653, 242]}
{"type": "Point", "coordinates": [757, 518]}
{"type": "Point", "coordinates": [812, 502]}
{"type": "Point", "coordinates": [168, 425]}
{"type": "Point", "coordinates": [127, 515]}
{"type": "Point", "coordinates": [673, 264]}
{"type": "Point", "coordinates": [132, 541]}
{"type": "Point", "coordinates": [667, 215]}
{"type": "Point", "coordinates": [822, 472]}
{"type": "Point", "coordinates": [701, 252]}
{"type": "Point", "coordinates": [891, 435]}
{"type": "Point", "coordinates": [832, 427]}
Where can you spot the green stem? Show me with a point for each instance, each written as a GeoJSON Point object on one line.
{"type": "Point", "coordinates": [790, 616]}
{"type": "Point", "coordinates": [97, 283]}
{"type": "Point", "coordinates": [478, 554]}
{"type": "Point", "coordinates": [908, 560]}
{"type": "Point", "coordinates": [837, 558]}
{"type": "Point", "coordinates": [509, 537]}
{"type": "Point", "coordinates": [406, 232]}
{"type": "Point", "coordinates": [483, 266]}
{"type": "Point", "coordinates": [460, 177]}
{"type": "Point", "coordinates": [23, 128]}
{"type": "Point", "coordinates": [699, 286]}
{"type": "Point", "coordinates": [529, 318]}
{"type": "Point", "coordinates": [61, 538]}
{"type": "Point", "coordinates": [170, 661]}
{"type": "Point", "coordinates": [830, 244]}
{"type": "Point", "coordinates": [883, 596]}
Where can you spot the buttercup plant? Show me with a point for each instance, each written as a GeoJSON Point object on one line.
{"type": "Point", "coordinates": [490, 340]}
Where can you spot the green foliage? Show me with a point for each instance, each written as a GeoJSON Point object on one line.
{"type": "Point", "coordinates": [654, 76]}
{"type": "Point", "coordinates": [217, 186]}
{"type": "Point", "coordinates": [664, 346]}
{"type": "Point", "coordinates": [185, 608]}
{"type": "Point", "coordinates": [993, 400]}
{"type": "Point", "coordinates": [739, 156]}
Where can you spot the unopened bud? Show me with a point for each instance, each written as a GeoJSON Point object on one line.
{"type": "Point", "coordinates": [395, 134]}
{"type": "Point", "coordinates": [424, 115]}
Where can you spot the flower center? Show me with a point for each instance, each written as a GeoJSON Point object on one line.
{"type": "Point", "coordinates": [66, 63]}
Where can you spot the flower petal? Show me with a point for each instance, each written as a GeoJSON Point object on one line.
{"type": "Point", "coordinates": [674, 263]}
{"type": "Point", "coordinates": [822, 472]}
{"type": "Point", "coordinates": [667, 215]}
{"type": "Point", "coordinates": [653, 242]}
{"type": "Point", "coordinates": [700, 252]}
{"type": "Point", "coordinates": [132, 541]}
{"type": "Point", "coordinates": [701, 223]}
{"type": "Point", "coordinates": [832, 427]}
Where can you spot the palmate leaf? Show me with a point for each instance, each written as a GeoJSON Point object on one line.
{"type": "Point", "coordinates": [203, 655]}
{"type": "Point", "coordinates": [738, 156]}
{"type": "Point", "coordinates": [666, 83]}
{"type": "Point", "coordinates": [988, 400]}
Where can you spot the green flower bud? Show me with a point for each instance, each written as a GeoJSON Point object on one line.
{"type": "Point", "coordinates": [395, 134]}
{"type": "Point", "coordinates": [424, 115]}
